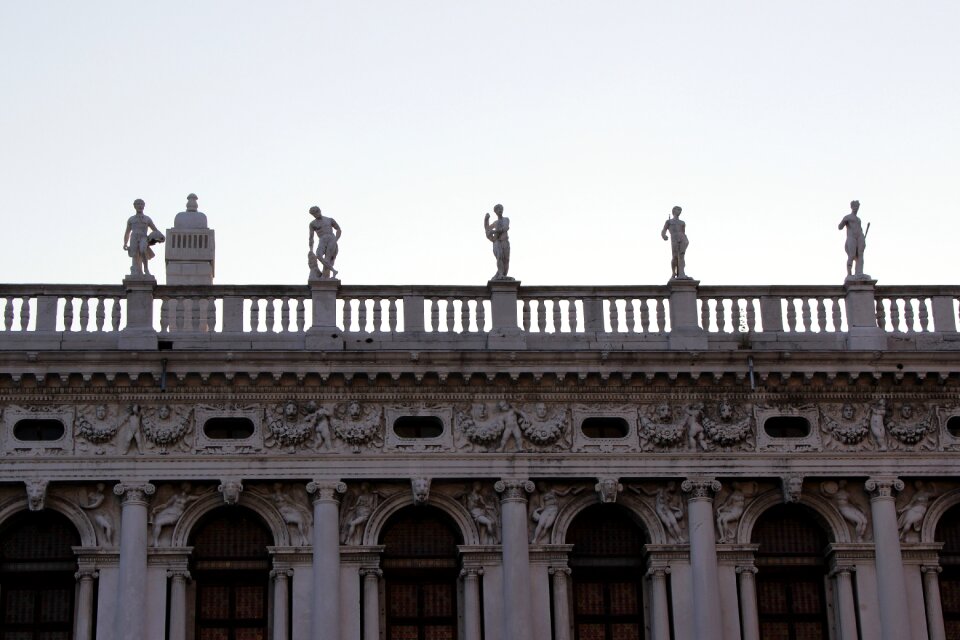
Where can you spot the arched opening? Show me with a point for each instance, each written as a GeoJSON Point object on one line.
{"type": "Point", "coordinates": [37, 567]}
{"type": "Point", "coordinates": [948, 532]}
{"type": "Point", "coordinates": [231, 573]}
{"type": "Point", "coordinates": [606, 570]}
{"type": "Point", "coordinates": [420, 574]}
{"type": "Point", "coordinates": [792, 574]}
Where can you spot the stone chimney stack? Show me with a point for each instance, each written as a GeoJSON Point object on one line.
{"type": "Point", "coordinates": [190, 247]}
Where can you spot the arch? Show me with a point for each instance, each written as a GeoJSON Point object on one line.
{"type": "Point", "coordinates": [836, 526]}
{"type": "Point", "coordinates": [76, 515]}
{"type": "Point", "coordinates": [259, 505]}
{"type": "Point", "coordinates": [940, 506]}
{"type": "Point", "coordinates": [642, 512]}
{"type": "Point", "coordinates": [392, 504]}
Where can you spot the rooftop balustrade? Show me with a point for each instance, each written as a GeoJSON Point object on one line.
{"type": "Point", "coordinates": [326, 315]}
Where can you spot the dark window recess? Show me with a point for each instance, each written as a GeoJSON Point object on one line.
{"type": "Point", "coordinates": [32, 430]}
{"type": "Point", "coordinates": [228, 428]}
{"type": "Point", "coordinates": [787, 427]}
{"type": "Point", "coordinates": [605, 428]}
{"type": "Point", "coordinates": [418, 427]}
{"type": "Point", "coordinates": [953, 426]}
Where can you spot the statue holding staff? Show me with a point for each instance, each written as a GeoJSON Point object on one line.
{"type": "Point", "coordinates": [856, 242]}
{"type": "Point", "coordinates": [678, 243]}
{"type": "Point", "coordinates": [328, 233]}
{"type": "Point", "coordinates": [498, 233]}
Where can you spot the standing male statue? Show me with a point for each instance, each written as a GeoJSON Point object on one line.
{"type": "Point", "coordinates": [327, 247]}
{"type": "Point", "coordinates": [856, 242]}
{"type": "Point", "coordinates": [498, 233]}
{"type": "Point", "coordinates": [678, 243]}
{"type": "Point", "coordinates": [137, 241]}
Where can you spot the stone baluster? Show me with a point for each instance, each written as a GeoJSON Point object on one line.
{"type": "Point", "coordinates": [846, 605]}
{"type": "Point", "coordinates": [659, 603]}
{"type": "Point", "coordinates": [83, 620]}
{"type": "Point", "coordinates": [747, 590]}
{"type": "Point", "coordinates": [281, 603]}
{"type": "Point", "coordinates": [891, 581]}
{"type": "Point", "coordinates": [703, 557]}
{"type": "Point", "coordinates": [325, 619]}
{"type": "Point", "coordinates": [178, 603]}
{"type": "Point", "coordinates": [471, 603]}
{"type": "Point", "coordinates": [131, 595]}
{"type": "Point", "coordinates": [517, 599]}
{"type": "Point", "coordinates": [561, 602]}
{"type": "Point", "coordinates": [931, 594]}
{"type": "Point", "coordinates": [371, 602]}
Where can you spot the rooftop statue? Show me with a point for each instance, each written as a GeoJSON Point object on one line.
{"type": "Point", "coordinates": [327, 248]}
{"type": "Point", "coordinates": [137, 241]}
{"type": "Point", "coordinates": [191, 218]}
{"type": "Point", "coordinates": [498, 233]}
{"type": "Point", "coordinates": [856, 242]}
{"type": "Point", "coordinates": [678, 243]}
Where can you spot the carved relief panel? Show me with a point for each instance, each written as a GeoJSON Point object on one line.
{"type": "Point", "coordinates": [418, 427]}
{"type": "Point", "coordinates": [788, 428]}
{"type": "Point", "coordinates": [605, 429]}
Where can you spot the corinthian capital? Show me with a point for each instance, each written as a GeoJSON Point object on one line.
{"type": "Point", "coordinates": [326, 490]}
{"type": "Point", "coordinates": [513, 490]}
{"type": "Point", "coordinates": [700, 488]}
{"type": "Point", "coordinates": [134, 492]}
{"type": "Point", "coordinates": [881, 487]}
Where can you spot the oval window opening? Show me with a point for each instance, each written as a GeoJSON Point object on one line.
{"type": "Point", "coordinates": [787, 427]}
{"type": "Point", "coordinates": [228, 428]}
{"type": "Point", "coordinates": [33, 430]}
{"type": "Point", "coordinates": [953, 426]}
{"type": "Point", "coordinates": [605, 428]}
{"type": "Point", "coordinates": [413, 427]}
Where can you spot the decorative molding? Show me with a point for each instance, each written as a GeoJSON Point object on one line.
{"type": "Point", "coordinates": [700, 488]}
{"type": "Point", "coordinates": [883, 487]}
{"type": "Point", "coordinates": [134, 493]}
{"type": "Point", "coordinates": [513, 490]}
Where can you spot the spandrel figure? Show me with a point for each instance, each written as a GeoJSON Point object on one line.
{"type": "Point", "coordinates": [677, 229]}
{"type": "Point", "coordinates": [138, 237]}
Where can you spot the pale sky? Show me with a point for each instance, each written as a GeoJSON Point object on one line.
{"type": "Point", "coordinates": [407, 121]}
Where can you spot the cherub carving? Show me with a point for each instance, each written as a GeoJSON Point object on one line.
{"type": "Point", "coordinates": [878, 429]}
{"type": "Point", "coordinates": [546, 513]}
{"type": "Point", "coordinates": [910, 429]}
{"type": "Point", "coordinates": [476, 425]}
{"type": "Point", "coordinates": [510, 419]}
{"type": "Point", "coordinates": [730, 509]}
{"type": "Point", "coordinates": [92, 501]}
{"type": "Point", "coordinates": [541, 428]}
{"type": "Point", "coordinates": [483, 512]}
{"type": "Point", "coordinates": [357, 511]}
{"type": "Point", "coordinates": [657, 425]}
{"type": "Point", "coordinates": [358, 425]}
{"type": "Point", "coordinates": [166, 427]}
{"type": "Point", "coordinates": [96, 426]}
{"type": "Point", "coordinates": [910, 516]}
{"type": "Point", "coordinates": [321, 417]}
{"type": "Point", "coordinates": [131, 430]}
{"type": "Point", "coordinates": [667, 507]}
{"type": "Point", "coordinates": [844, 426]}
{"type": "Point", "coordinates": [169, 513]}
{"type": "Point", "coordinates": [838, 492]}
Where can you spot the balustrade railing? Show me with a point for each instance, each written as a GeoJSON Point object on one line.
{"type": "Point", "coordinates": [68, 308]}
{"type": "Point", "coordinates": [602, 309]}
{"type": "Point", "coordinates": [747, 309]}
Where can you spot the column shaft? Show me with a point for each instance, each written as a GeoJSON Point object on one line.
{"type": "Point", "coordinates": [846, 606]}
{"type": "Point", "coordinates": [747, 587]}
{"type": "Point", "coordinates": [517, 600]}
{"type": "Point", "coordinates": [707, 621]}
{"type": "Point", "coordinates": [178, 604]}
{"type": "Point", "coordinates": [371, 603]}
{"type": "Point", "coordinates": [561, 603]}
{"type": "Point", "coordinates": [83, 620]}
{"type": "Point", "coordinates": [132, 579]}
{"type": "Point", "coordinates": [659, 605]}
{"type": "Point", "coordinates": [931, 594]}
{"type": "Point", "coordinates": [325, 617]}
{"type": "Point", "coordinates": [891, 581]}
{"type": "Point", "coordinates": [471, 603]}
{"type": "Point", "coordinates": [281, 603]}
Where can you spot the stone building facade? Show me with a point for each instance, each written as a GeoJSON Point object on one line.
{"type": "Point", "coordinates": [343, 462]}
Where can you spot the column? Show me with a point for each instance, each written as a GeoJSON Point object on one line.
{"type": "Point", "coordinates": [561, 603]}
{"type": "Point", "coordinates": [516, 557]}
{"type": "Point", "coordinates": [471, 602]}
{"type": "Point", "coordinates": [132, 581]}
{"type": "Point", "coordinates": [931, 594]}
{"type": "Point", "coordinates": [281, 603]}
{"type": "Point", "coordinates": [325, 618]}
{"type": "Point", "coordinates": [178, 603]}
{"type": "Point", "coordinates": [891, 581]}
{"type": "Point", "coordinates": [747, 590]}
{"type": "Point", "coordinates": [659, 605]}
{"type": "Point", "coordinates": [707, 621]}
{"type": "Point", "coordinates": [83, 620]}
{"type": "Point", "coordinates": [371, 602]}
{"type": "Point", "coordinates": [846, 606]}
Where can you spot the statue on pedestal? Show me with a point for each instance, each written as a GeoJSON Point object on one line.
{"type": "Point", "coordinates": [678, 243]}
{"type": "Point", "coordinates": [328, 233]}
{"type": "Point", "coordinates": [856, 242]}
{"type": "Point", "coordinates": [498, 233]}
{"type": "Point", "coordinates": [137, 240]}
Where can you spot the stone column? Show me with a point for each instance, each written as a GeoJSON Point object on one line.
{"type": "Point", "coordinates": [325, 617]}
{"type": "Point", "coordinates": [931, 594]}
{"type": "Point", "coordinates": [891, 580]}
{"type": "Point", "coordinates": [846, 605]}
{"type": "Point", "coordinates": [747, 589]}
{"type": "Point", "coordinates": [707, 621]}
{"type": "Point", "coordinates": [517, 602]}
{"type": "Point", "coordinates": [471, 602]}
{"type": "Point", "coordinates": [83, 620]}
{"type": "Point", "coordinates": [132, 581]}
{"type": "Point", "coordinates": [281, 603]}
{"type": "Point", "coordinates": [561, 602]}
{"type": "Point", "coordinates": [659, 605]}
{"type": "Point", "coordinates": [371, 602]}
{"type": "Point", "coordinates": [178, 603]}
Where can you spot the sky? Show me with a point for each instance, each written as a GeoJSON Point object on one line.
{"type": "Point", "coordinates": [408, 121]}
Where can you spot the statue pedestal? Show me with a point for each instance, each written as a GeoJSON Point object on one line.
{"type": "Point", "coordinates": [324, 334]}
{"type": "Point", "coordinates": [504, 332]}
{"type": "Point", "coordinates": [863, 334]}
{"type": "Point", "coordinates": [139, 334]}
{"type": "Point", "coordinates": [685, 331]}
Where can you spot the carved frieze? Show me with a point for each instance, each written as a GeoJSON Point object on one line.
{"type": "Point", "coordinates": [729, 425]}
{"type": "Point", "coordinates": [221, 445]}
{"type": "Point", "coordinates": [38, 433]}
{"type": "Point", "coordinates": [166, 426]}
{"type": "Point", "coordinates": [768, 438]}
{"type": "Point", "coordinates": [606, 443]}
{"type": "Point", "coordinates": [912, 426]}
{"type": "Point", "coordinates": [441, 442]}
{"type": "Point", "coordinates": [359, 425]}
